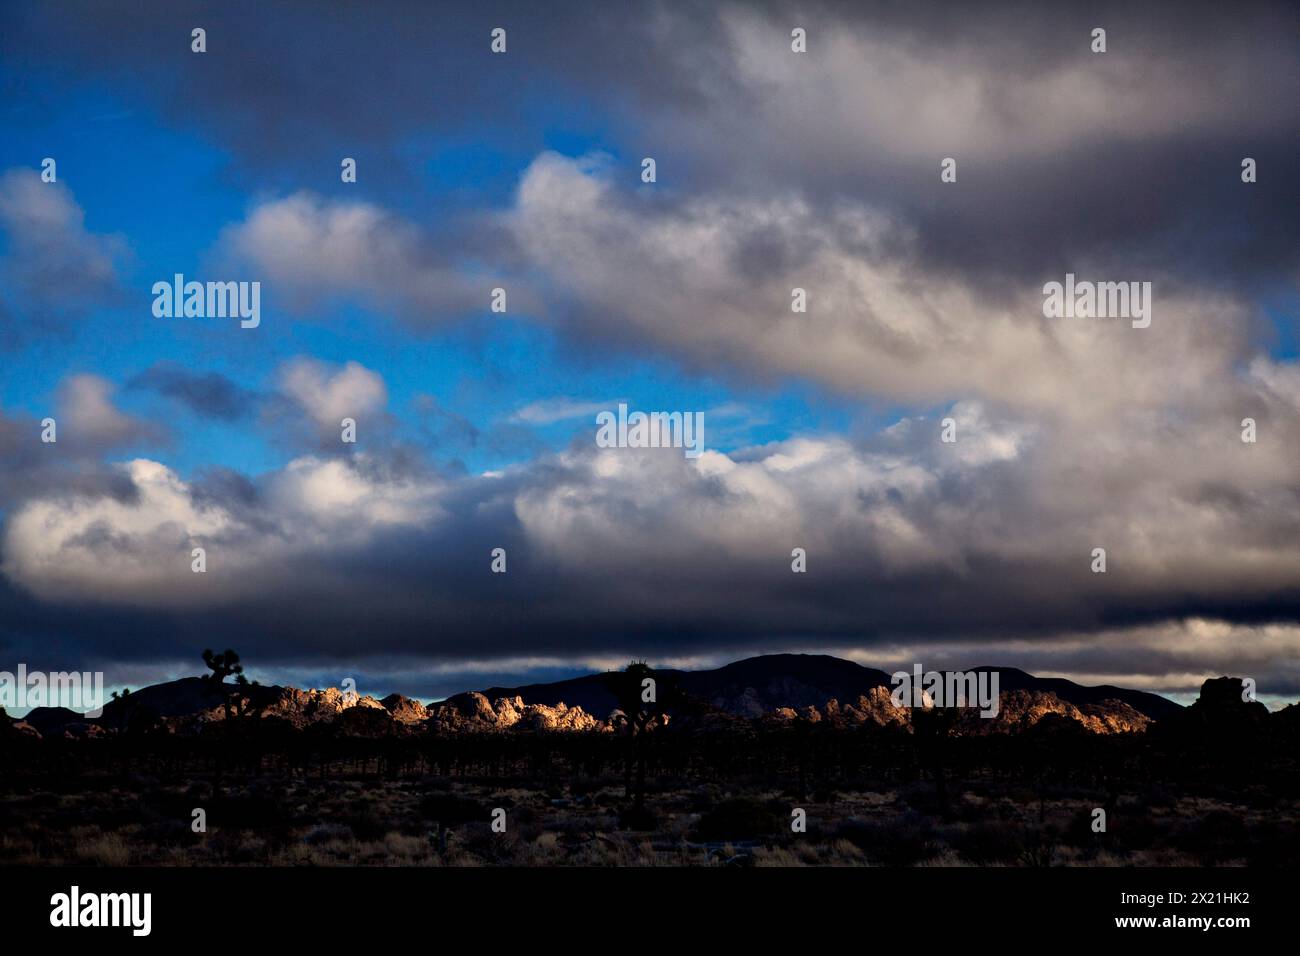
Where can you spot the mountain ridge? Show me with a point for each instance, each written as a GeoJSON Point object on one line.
{"type": "Point", "coordinates": [827, 677]}
{"type": "Point", "coordinates": [783, 686]}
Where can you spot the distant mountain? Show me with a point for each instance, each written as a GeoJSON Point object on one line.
{"type": "Point", "coordinates": [758, 685]}
{"type": "Point", "coordinates": [47, 720]}
{"type": "Point", "coordinates": [780, 686]}
{"type": "Point", "coordinates": [176, 698]}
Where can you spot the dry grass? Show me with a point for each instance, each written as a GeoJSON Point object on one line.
{"type": "Point", "coordinates": [347, 822]}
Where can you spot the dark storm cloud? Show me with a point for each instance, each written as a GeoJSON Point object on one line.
{"type": "Point", "coordinates": [207, 394]}
{"type": "Point", "coordinates": [1065, 157]}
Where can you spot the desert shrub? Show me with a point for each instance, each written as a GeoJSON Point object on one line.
{"type": "Point", "coordinates": [1078, 833]}
{"type": "Point", "coordinates": [584, 786]}
{"type": "Point", "coordinates": [367, 823]}
{"type": "Point", "coordinates": [43, 799]}
{"type": "Point", "coordinates": [1038, 847]}
{"type": "Point", "coordinates": [1215, 838]}
{"type": "Point", "coordinates": [905, 841]}
{"type": "Point", "coordinates": [169, 832]}
{"type": "Point", "coordinates": [989, 843]}
{"type": "Point", "coordinates": [739, 818]}
{"type": "Point", "coordinates": [1159, 795]}
{"type": "Point", "coordinates": [1131, 829]}
{"type": "Point", "coordinates": [250, 811]}
{"type": "Point", "coordinates": [921, 797]}
{"type": "Point", "coordinates": [327, 833]}
{"type": "Point", "coordinates": [1006, 809]}
{"type": "Point", "coordinates": [968, 811]}
{"type": "Point", "coordinates": [638, 818]}
{"type": "Point", "coordinates": [704, 798]}
{"type": "Point", "coordinates": [449, 809]}
{"type": "Point", "coordinates": [524, 822]}
{"type": "Point", "coordinates": [1272, 846]}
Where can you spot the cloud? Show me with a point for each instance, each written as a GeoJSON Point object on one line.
{"type": "Point", "coordinates": [313, 251]}
{"type": "Point", "coordinates": [551, 410]}
{"type": "Point", "coordinates": [33, 468]}
{"type": "Point", "coordinates": [309, 399]}
{"type": "Point", "coordinates": [328, 396]}
{"type": "Point", "coordinates": [207, 394]}
{"type": "Point", "coordinates": [910, 542]}
{"type": "Point", "coordinates": [1063, 154]}
{"type": "Point", "coordinates": [777, 170]}
{"type": "Point", "coordinates": [137, 552]}
{"type": "Point", "coordinates": [306, 397]}
{"type": "Point", "coordinates": [709, 281]}
{"type": "Point", "coordinates": [1129, 158]}
{"type": "Point", "coordinates": [91, 420]}
{"type": "Point", "coordinates": [53, 269]}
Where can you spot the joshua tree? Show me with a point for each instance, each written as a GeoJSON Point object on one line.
{"type": "Point", "coordinates": [931, 727]}
{"type": "Point", "coordinates": [124, 714]}
{"type": "Point", "coordinates": [644, 698]}
{"type": "Point", "coordinates": [222, 666]}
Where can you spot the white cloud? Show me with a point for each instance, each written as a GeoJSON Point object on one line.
{"type": "Point", "coordinates": [312, 251]}
{"type": "Point", "coordinates": [328, 394]}
{"type": "Point", "coordinates": [551, 410]}
{"type": "Point", "coordinates": [709, 281]}
{"type": "Point", "coordinates": [137, 551]}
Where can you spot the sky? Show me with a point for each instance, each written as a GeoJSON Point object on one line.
{"type": "Point", "coordinates": [476, 429]}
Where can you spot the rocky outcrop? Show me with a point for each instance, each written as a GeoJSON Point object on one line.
{"type": "Point", "coordinates": [405, 710]}
{"type": "Point", "coordinates": [216, 703]}
{"type": "Point", "coordinates": [1224, 718]}
{"type": "Point", "coordinates": [302, 708]}
{"type": "Point", "coordinates": [16, 729]}
{"type": "Point", "coordinates": [877, 708]}
{"type": "Point", "coordinates": [1018, 711]}
{"type": "Point", "coordinates": [473, 712]}
{"type": "Point", "coordinates": [1115, 717]}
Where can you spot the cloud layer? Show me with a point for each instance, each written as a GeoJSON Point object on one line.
{"type": "Point", "coordinates": [776, 171]}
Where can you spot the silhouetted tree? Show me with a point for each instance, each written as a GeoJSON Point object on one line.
{"type": "Point", "coordinates": [126, 709]}
{"type": "Point", "coordinates": [645, 697]}
{"type": "Point", "coordinates": [931, 727]}
{"type": "Point", "coordinates": [223, 665]}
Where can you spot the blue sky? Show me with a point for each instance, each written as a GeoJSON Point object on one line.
{"type": "Point", "coordinates": [169, 191]}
